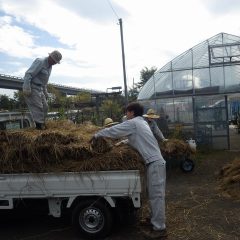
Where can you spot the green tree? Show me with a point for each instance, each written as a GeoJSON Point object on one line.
{"type": "Point", "coordinates": [56, 98]}
{"type": "Point", "coordinates": [133, 94]}
{"type": "Point", "coordinates": [81, 99]}
{"type": "Point", "coordinates": [112, 109]}
{"type": "Point", "coordinates": [145, 75]}
{"type": "Point", "coordinates": [54, 94]}
{"type": "Point", "coordinates": [5, 103]}
{"type": "Point", "coordinates": [19, 101]}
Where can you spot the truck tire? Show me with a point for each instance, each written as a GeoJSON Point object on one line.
{"type": "Point", "coordinates": [92, 218]}
{"type": "Point", "coordinates": [187, 165]}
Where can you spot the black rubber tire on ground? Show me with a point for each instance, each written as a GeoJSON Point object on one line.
{"type": "Point", "coordinates": [187, 165]}
{"type": "Point", "coordinates": [92, 219]}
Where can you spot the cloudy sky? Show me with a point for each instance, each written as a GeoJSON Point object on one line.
{"type": "Point", "coordinates": [88, 35]}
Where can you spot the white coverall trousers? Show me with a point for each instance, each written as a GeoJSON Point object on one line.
{"type": "Point", "coordinates": [156, 183]}
{"type": "Point", "coordinates": [37, 104]}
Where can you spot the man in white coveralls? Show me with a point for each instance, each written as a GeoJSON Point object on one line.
{"type": "Point", "coordinates": [140, 137]}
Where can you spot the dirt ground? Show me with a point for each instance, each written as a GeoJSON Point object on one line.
{"type": "Point", "coordinates": [195, 209]}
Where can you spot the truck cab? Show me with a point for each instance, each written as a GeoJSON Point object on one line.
{"type": "Point", "coordinates": [15, 120]}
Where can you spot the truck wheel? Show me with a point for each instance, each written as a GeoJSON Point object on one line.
{"type": "Point", "coordinates": [92, 218]}
{"type": "Point", "coordinates": [187, 165]}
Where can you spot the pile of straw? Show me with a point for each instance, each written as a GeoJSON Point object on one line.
{"type": "Point", "coordinates": [62, 147]}
{"type": "Point", "coordinates": [230, 179]}
{"type": "Point", "coordinates": [65, 147]}
{"type": "Point", "coordinates": [175, 148]}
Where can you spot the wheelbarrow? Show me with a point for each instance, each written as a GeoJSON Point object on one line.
{"type": "Point", "coordinates": [183, 159]}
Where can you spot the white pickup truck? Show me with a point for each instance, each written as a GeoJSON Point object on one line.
{"type": "Point", "coordinates": [15, 120]}
{"type": "Point", "coordinates": [92, 198]}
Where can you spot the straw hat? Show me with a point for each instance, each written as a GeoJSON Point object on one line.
{"type": "Point", "coordinates": [151, 114]}
{"type": "Point", "coordinates": [109, 122]}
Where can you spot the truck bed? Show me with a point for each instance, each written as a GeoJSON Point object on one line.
{"type": "Point", "coordinates": [71, 184]}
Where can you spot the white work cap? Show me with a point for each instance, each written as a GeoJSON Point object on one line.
{"type": "Point", "coordinates": [56, 56]}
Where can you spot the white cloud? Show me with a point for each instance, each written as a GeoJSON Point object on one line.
{"type": "Point", "coordinates": [222, 6]}
{"type": "Point", "coordinates": [94, 10]}
{"type": "Point", "coordinates": [13, 40]}
{"type": "Point", "coordinates": [154, 33]}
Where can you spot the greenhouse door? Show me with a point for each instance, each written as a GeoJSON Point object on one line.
{"type": "Point", "coordinates": [211, 121]}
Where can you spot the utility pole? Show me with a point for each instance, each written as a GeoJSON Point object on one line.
{"type": "Point", "coordinates": [123, 60]}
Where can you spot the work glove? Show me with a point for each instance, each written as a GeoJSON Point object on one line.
{"type": "Point", "coordinates": [26, 92]}
{"type": "Point", "coordinates": [26, 88]}
{"type": "Point", "coordinates": [46, 96]}
{"type": "Point", "coordinates": [125, 141]}
{"type": "Point", "coordinates": [92, 140]}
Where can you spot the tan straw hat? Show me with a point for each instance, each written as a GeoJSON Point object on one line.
{"type": "Point", "coordinates": [109, 122]}
{"type": "Point", "coordinates": [151, 114]}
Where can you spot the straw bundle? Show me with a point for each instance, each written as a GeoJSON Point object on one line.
{"type": "Point", "coordinates": [230, 179]}
{"type": "Point", "coordinates": [101, 145]}
{"type": "Point", "coordinates": [118, 158]}
{"type": "Point", "coordinates": [175, 148]}
{"type": "Point", "coordinates": [56, 137]}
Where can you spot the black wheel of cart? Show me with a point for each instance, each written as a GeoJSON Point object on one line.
{"type": "Point", "coordinates": [187, 165]}
{"type": "Point", "coordinates": [92, 218]}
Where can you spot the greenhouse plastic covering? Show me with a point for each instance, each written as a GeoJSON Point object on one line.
{"type": "Point", "coordinates": [211, 67]}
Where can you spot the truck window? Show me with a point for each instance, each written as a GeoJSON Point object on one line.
{"type": "Point", "coordinates": [2, 126]}
{"type": "Point", "coordinates": [15, 124]}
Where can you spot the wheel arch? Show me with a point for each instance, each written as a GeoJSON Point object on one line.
{"type": "Point", "coordinates": [74, 201]}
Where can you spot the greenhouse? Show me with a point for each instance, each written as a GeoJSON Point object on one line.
{"type": "Point", "coordinates": [198, 91]}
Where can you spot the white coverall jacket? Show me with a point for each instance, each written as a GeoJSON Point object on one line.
{"type": "Point", "coordinates": [35, 82]}
{"type": "Point", "coordinates": [142, 139]}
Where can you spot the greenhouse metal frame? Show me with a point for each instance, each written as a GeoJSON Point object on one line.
{"type": "Point", "coordinates": [199, 90]}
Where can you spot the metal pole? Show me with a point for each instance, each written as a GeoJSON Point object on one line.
{"type": "Point", "coordinates": [227, 121]}
{"type": "Point", "coordinates": [123, 60]}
